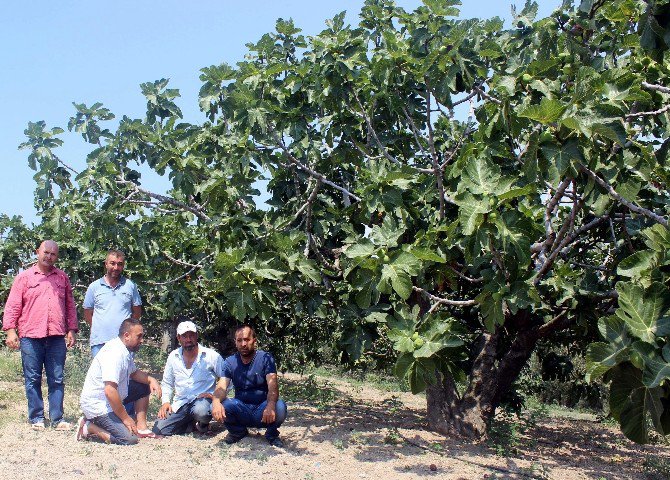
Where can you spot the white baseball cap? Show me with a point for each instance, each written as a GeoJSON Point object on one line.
{"type": "Point", "coordinates": [184, 327]}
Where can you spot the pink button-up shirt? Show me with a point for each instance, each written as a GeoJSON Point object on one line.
{"type": "Point", "coordinates": [40, 305]}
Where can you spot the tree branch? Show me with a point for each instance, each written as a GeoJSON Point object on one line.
{"type": "Point", "coordinates": [633, 207]}
{"type": "Point", "coordinates": [443, 301]}
{"type": "Point", "coordinates": [195, 267]}
{"type": "Point", "coordinates": [197, 211]}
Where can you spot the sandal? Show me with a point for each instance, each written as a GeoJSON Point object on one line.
{"type": "Point", "coordinates": [37, 426]}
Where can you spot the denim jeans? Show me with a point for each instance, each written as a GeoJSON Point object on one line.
{"type": "Point", "coordinates": [241, 415]}
{"type": "Point", "coordinates": [199, 410]}
{"type": "Point", "coordinates": [112, 424]}
{"type": "Point", "coordinates": [38, 355]}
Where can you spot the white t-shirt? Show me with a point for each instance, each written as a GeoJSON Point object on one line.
{"type": "Point", "coordinates": [114, 363]}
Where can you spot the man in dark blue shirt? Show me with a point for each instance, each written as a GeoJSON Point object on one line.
{"type": "Point", "coordinates": [253, 373]}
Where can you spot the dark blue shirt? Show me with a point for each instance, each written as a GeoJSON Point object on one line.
{"type": "Point", "coordinates": [249, 380]}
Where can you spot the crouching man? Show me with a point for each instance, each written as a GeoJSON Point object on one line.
{"type": "Point", "coordinates": [191, 372]}
{"type": "Point", "coordinates": [253, 373]}
{"type": "Point", "coordinates": [112, 381]}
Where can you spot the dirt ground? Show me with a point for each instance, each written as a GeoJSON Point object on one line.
{"type": "Point", "coordinates": [363, 433]}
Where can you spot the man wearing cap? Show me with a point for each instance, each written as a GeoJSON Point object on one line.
{"type": "Point", "coordinates": [191, 372]}
{"type": "Point", "coordinates": [109, 301]}
{"type": "Point", "coordinates": [253, 373]}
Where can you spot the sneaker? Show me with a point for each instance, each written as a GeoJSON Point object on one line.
{"type": "Point", "coordinates": [37, 426]}
{"type": "Point", "coordinates": [230, 438]}
{"type": "Point", "coordinates": [81, 430]}
{"type": "Point", "coordinates": [276, 442]}
{"type": "Point", "coordinates": [63, 426]}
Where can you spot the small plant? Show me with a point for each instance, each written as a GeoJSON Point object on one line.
{"type": "Point", "coordinates": [261, 458]}
{"type": "Point", "coordinates": [539, 470]}
{"type": "Point", "coordinates": [436, 447]}
{"type": "Point", "coordinates": [357, 438]}
{"type": "Point", "coordinates": [338, 443]}
{"type": "Point", "coordinates": [393, 437]}
{"type": "Point", "coordinates": [309, 390]}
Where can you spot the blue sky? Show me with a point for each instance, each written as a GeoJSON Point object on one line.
{"type": "Point", "coordinates": [56, 53]}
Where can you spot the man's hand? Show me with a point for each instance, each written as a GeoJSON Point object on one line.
{"type": "Point", "coordinates": [218, 412]}
{"type": "Point", "coordinates": [12, 340]}
{"type": "Point", "coordinates": [206, 395]}
{"type": "Point", "coordinates": [155, 387]}
{"type": "Point", "coordinates": [269, 414]}
{"type": "Point", "coordinates": [165, 410]}
{"type": "Point", "coordinates": [70, 339]}
{"type": "Point", "coordinates": [130, 425]}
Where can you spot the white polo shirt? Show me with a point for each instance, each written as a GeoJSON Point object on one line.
{"type": "Point", "coordinates": [187, 383]}
{"type": "Point", "coordinates": [114, 363]}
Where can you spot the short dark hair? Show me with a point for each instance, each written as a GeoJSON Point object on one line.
{"type": "Point", "coordinates": [127, 324]}
{"type": "Point", "coordinates": [246, 325]}
{"type": "Point", "coordinates": [115, 253]}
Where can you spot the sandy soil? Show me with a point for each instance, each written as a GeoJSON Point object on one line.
{"type": "Point", "coordinates": [364, 434]}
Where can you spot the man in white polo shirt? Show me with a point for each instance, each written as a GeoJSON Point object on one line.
{"type": "Point", "coordinates": [191, 372]}
{"type": "Point", "coordinates": [112, 381]}
{"type": "Point", "coordinates": [109, 301]}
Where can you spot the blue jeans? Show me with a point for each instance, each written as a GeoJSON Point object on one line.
{"type": "Point", "coordinates": [112, 424]}
{"type": "Point", "coordinates": [44, 354]}
{"type": "Point", "coordinates": [199, 410]}
{"type": "Point", "coordinates": [240, 415]}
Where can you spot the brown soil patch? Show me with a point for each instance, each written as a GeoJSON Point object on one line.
{"type": "Point", "coordinates": [363, 434]}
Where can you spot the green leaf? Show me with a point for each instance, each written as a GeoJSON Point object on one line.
{"type": "Point", "coordinates": [547, 112]}
{"type": "Point", "coordinates": [308, 268]}
{"type": "Point", "coordinates": [388, 233]}
{"type": "Point", "coordinates": [364, 248]}
{"type": "Point", "coordinates": [399, 280]}
{"type": "Point", "coordinates": [425, 254]}
{"type": "Point", "coordinates": [562, 156]}
{"type": "Point", "coordinates": [641, 310]}
{"type": "Point", "coordinates": [601, 357]}
{"type": "Point", "coordinates": [638, 264]}
{"type": "Point", "coordinates": [482, 177]}
{"type": "Point", "coordinates": [470, 213]}
{"type": "Point", "coordinates": [428, 349]}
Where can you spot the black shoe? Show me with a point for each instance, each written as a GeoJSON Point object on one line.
{"type": "Point", "coordinates": [276, 442]}
{"type": "Point", "coordinates": [230, 438]}
{"type": "Point", "coordinates": [198, 427]}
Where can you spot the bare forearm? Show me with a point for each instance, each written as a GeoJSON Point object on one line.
{"type": "Point", "coordinates": [88, 316]}
{"type": "Point", "coordinates": [115, 402]}
{"type": "Point", "coordinates": [221, 390]}
{"type": "Point", "coordinates": [142, 377]}
{"type": "Point", "coordinates": [273, 389]}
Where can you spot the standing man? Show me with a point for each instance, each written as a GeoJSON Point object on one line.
{"type": "Point", "coordinates": [256, 403]}
{"type": "Point", "coordinates": [191, 372]}
{"type": "Point", "coordinates": [113, 380]}
{"type": "Point", "coordinates": [109, 301]}
{"type": "Point", "coordinates": [41, 319]}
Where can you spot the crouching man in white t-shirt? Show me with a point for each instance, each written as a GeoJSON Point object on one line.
{"type": "Point", "coordinates": [112, 381]}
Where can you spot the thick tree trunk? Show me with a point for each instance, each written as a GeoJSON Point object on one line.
{"type": "Point", "coordinates": [469, 415]}
{"type": "Point", "coordinates": [492, 375]}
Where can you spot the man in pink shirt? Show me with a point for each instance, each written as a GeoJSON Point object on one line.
{"type": "Point", "coordinates": [41, 319]}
